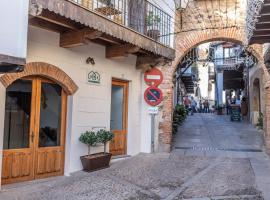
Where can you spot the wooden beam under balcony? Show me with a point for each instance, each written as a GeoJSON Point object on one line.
{"type": "Point", "coordinates": [58, 20]}
{"type": "Point", "coordinates": [117, 51]}
{"type": "Point", "coordinates": [146, 62]}
{"type": "Point", "coordinates": [78, 38]}
{"type": "Point", "coordinates": [46, 25]}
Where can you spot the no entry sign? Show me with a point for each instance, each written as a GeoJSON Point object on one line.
{"type": "Point", "coordinates": [153, 96]}
{"type": "Point", "coordinates": [153, 77]}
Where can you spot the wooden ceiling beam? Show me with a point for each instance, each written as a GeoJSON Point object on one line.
{"type": "Point", "coordinates": [78, 38]}
{"type": "Point", "coordinates": [147, 62]}
{"type": "Point", "coordinates": [260, 40]}
{"type": "Point", "coordinates": [46, 25]}
{"type": "Point", "coordinates": [59, 20]}
{"type": "Point", "coordinates": [110, 39]}
{"type": "Point", "coordinates": [117, 51]}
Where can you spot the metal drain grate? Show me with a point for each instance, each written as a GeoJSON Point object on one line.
{"type": "Point", "coordinates": [217, 149]}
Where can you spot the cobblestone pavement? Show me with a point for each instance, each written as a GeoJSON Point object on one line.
{"type": "Point", "coordinates": [212, 159]}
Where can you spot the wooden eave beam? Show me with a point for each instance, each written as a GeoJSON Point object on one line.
{"type": "Point", "coordinates": [110, 39]}
{"type": "Point", "coordinates": [59, 20]}
{"type": "Point", "coordinates": [46, 25]}
{"type": "Point", "coordinates": [147, 62]}
{"type": "Point", "coordinates": [117, 51]}
{"type": "Point", "coordinates": [78, 38]}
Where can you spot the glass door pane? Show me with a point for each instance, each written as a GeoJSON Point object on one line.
{"type": "Point", "coordinates": [50, 115]}
{"type": "Point", "coordinates": [117, 107]}
{"type": "Point", "coordinates": [17, 115]}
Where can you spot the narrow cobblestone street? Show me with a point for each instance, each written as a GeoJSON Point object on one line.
{"type": "Point", "coordinates": [212, 158]}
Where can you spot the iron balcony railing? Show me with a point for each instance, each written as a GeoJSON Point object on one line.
{"type": "Point", "coordinates": [139, 15]}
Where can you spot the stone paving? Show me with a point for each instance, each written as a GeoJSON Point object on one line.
{"type": "Point", "coordinates": [212, 159]}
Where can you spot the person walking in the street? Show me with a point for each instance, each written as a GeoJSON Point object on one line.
{"type": "Point", "coordinates": [193, 105]}
{"type": "Point", "coordinates": [187, 103]}
{"type": "Point", "coordinates": [201, 106]}
{"type": "Point", "coordinates": [228, 105]}
{"type": "Point", "coordinates": [206, 106]}
{"type": "Point", "coordinates": [244, 107]}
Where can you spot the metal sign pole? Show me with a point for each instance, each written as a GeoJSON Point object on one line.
{"type": "Point", "coordinates": [152, 133]}
{"type": "Point", "coordinates": [153, 111]}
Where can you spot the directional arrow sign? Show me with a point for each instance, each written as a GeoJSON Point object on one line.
{"type": "Point", "coordinates": [153, 96]}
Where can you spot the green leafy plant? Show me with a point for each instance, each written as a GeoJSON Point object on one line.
{"type": "Point", "coordinates": [89, 138]}
{"type": "Point", "coordinates": [152, 19]}
{"type": "Point", "coordinates": [179, 116]}
{"type": "Point", "coordinates": [260, 121]}
{"type": "Point", "coordinates": [104, 137]}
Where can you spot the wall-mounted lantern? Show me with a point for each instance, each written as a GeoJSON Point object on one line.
{"type": "Point", "coordinates": [90, 60]}
{"type": "Point", "coordinates": [180, 4]}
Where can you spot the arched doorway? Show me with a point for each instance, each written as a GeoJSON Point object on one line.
{"type": "Point", "coordinates": [35, 122]}
{"type": "Point", "coordinates": [34, 130]}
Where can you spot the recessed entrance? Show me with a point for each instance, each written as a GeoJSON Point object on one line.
{"type": "Point", "coordinates": [119, 113]}
{"type": "Point", "coordinates": [34, 131]}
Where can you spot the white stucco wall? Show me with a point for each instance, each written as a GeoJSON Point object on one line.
{"type": "Point", "coordinates": [13, 31]}
{"type": "Point", "coordinates": [89, 107]}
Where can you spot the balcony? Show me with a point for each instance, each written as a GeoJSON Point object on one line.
{"type": "Point", "coordinates": [123, 26]}
{"type": "Point", "coordinates": [141, 16]}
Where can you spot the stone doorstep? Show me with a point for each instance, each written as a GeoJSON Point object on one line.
{"type": "Point", "coordinates": [119, 158]}
{"type": "Point", "coordinates": [232, 197]}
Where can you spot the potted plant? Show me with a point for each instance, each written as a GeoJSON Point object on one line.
{"type": "Point", "coordinates": [179, 116]}
{"type": "Point", "coordinates": [104, 137]}
{"type": "Point", "coordinates": [92, 162]}
{"type": "Point", "coordinates": [152, 22]}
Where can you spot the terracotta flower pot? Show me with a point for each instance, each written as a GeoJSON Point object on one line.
{"type": "Point", "coordinates": [96, 161]}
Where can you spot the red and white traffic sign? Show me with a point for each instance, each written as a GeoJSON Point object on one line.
{"type": "Point", "coordinates": [154, 77]}
{"type": "Point", "coordinates": [153, 96]}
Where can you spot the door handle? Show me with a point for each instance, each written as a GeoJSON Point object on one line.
{"type": "Point", "coordinates": [32, 136]}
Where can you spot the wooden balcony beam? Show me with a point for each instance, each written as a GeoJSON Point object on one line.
{"type": "Point", "coordinates": [123, 50]}
{"type": "Point", "coordinates": [147, 62]}
{"type": "Point", "coordinates": [59, 20]}
{"type": "Point", "coordinates": [78, 38]}
{"type": "Point", "coordinates": [46, 25]}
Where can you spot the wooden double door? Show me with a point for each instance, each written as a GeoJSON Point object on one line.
{"type": "Point", "coordinates": [119, 117]}
{"type": "Point", "coordinates": [34, 130]}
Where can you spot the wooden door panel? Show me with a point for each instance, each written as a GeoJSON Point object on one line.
{"type": "Point", "coordinates": [50, 156]}
{"type": "Point", "coordinates": [17, 166]}
{"type": "Point", "coordinates": [6, 167]}
{"type": "Point", "coordinates": [118, 146]}
{"type": "Point", "coordinates": [49, 162]}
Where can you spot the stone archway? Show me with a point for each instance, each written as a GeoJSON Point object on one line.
{"type": "Point", "coordinates": [42, 69]}
{"type": "Point", "coordinates": [183, 43]}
